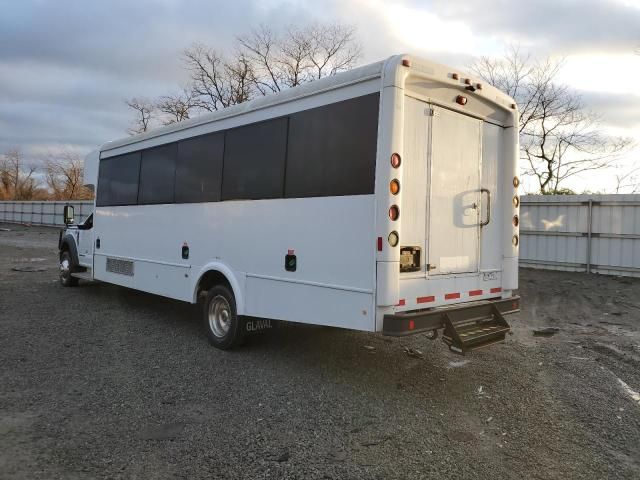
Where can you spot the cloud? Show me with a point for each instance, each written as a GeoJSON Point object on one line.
{"type": "Point", "coordinates": [550, 25]}
{"type": "Point", "coordinates": [620, 110]}
{"type": "Point", "coordinates": [67, 65]}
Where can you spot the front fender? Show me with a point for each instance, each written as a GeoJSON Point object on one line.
{"type": "Point", "coordinates": [69, 242]}
{"type": "Point", "coordinates": [235, 279]}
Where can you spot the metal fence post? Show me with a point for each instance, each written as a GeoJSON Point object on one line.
{"type": "Point", "coordinates": [589, 228]}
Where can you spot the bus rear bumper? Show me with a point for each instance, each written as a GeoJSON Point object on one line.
{"type": "Point", "coordinates": [417, 321]}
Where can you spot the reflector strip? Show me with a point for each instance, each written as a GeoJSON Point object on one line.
{"type": "Point", "coordinates": [428, 299]}
{"type": "Point", "coordinates": [496, 290]}
{"type": "Point", "coordinates": [451, 296]}
{"type": "Point", "coordinates": [473, 293]}
{"type": "Point", "coordinates": [401, 303]}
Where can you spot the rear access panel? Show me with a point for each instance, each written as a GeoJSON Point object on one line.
{"type": "Point", "coordinates": [453, 230]}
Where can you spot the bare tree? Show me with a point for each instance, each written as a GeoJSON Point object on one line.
{"type": "Point", "coordinates": [17, 181]}
{"type": "Point", "coordinates": [262, 49]}
{"type": "Point", "coordinates": [216, 82]}
{"type": "Point", "coordinates": [333, 48]}
{"type": "Point", "coordinates": [295, 57]}
{"type": "Point", "coordinates": [176, 108]}
{"type": "Point", "coordinates": [629, 181]}
{"type": "Point", "coordinates": [64, 177]}
{"type": "Point", "coordinates": [261, 62]}
{"type": "Point", "coordinates": [559, 138]}
{"type": "Point", "coordinates": [144, 111]}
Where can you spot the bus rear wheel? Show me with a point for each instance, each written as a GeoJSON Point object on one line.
{"type": "Point", "coordinates": [223, 326]}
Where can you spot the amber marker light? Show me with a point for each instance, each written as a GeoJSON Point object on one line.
{"type": "Point", "coordinates": [516, 201]}
{"type": "Point", "coordinates": [515, 240]}
{"type": "Point", "coordinates": [394, 212]}
{"type": "Point", "coordinates": [516, 182]}
{"type": "Point", "coordinates": [394, 186]}
{"type": "Point", "coordinates": [516, 221]}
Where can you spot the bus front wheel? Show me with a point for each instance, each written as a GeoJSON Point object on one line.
{"type": "Point", "coordinates": [224, 327]}
{"type": "Point", "coordinates": [66, 269]}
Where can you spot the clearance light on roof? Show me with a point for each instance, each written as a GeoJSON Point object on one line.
{"type": "Point", "coordinates": [455, 76]}
{"type": "Point", "coordinates": [394, 212]}
{"type": "Point", "coordinates": [516, 221]}
{"type": "Point", "coordinates": [461, 100]}
{"type": "Point", "coordinates": [516, 182]}
{"type": "Point", "coordinates": [515, 240]}
{"type": "Point", "coordinates": [394, 186]}
{"type": "Point", "coordinates": [516, 201]}
{"type": "Point", "coordinates": [406, 63]}
{"type": "Point", "coordinates": [395, 160]}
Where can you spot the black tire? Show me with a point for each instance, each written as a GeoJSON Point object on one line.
{"type": "Point", "coordinates": [67, 267]}
{"type": "Point", "coordinates": [225, 330]}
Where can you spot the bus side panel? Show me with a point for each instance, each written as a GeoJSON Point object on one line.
{"type": "Point", "coordinates": [332, 238]}
{"type": "Point", "coordinates": [318, 305]}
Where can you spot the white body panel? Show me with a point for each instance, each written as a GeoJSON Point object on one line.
{"type": "Point", "coordinates": [342, 279]}
{"type": "Point", "coordinates": [85, 247]}
{"type": "Point", "coordinates": [454, 199]}
{"type": "Point", "coordinates": [244, 237]}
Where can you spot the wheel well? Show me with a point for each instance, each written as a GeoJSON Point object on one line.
{"type": "Point", "coordinates": [63, 248]}
{"type": "Point", "coordinates": [211, 279]}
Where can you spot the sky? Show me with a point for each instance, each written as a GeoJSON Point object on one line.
{"type": "Point", "coordinates": [66, 66]}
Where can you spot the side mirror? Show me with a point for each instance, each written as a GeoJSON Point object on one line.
{"type": "Point", "coordinates": [68, 215]}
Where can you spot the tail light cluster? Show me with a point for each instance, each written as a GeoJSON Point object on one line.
{"type": "Point", "coordinates": [394, 210]}
{"type": "Point", "coordinates": [516, 202]}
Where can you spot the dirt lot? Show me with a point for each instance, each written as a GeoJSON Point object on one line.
{"type": "Point", "coordinates": [103, 382]}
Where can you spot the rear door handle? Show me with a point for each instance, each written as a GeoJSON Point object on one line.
{"type": "Point", "coordinates": [488, 192]}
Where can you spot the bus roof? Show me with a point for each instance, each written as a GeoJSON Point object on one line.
{"type": "Point", "coordinates": [385, 68]}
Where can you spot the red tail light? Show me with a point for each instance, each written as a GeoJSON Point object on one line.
{"type": "Point", "coordinates": [394, 212]}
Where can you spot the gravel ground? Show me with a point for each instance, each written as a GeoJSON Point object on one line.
{"type": "Point", "coordinates": [103, 382]}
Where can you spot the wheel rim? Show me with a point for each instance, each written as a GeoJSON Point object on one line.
{"type": "Point", "coordinates": [219, 316]}
{"type": "Point", "coordinates": [65, 268]}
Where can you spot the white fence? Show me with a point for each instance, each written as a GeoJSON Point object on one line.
{"type": "Point", "coordinates": [581, 233]}
{"type": "Point", "coordinates": [578, 233]}
{"type": "Point", "coordinates": [42, 213]}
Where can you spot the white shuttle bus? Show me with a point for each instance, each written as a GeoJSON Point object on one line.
{"type": "Point", "coordinates": [383, 199]}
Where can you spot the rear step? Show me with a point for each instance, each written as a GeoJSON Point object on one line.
{"type": "Point", "coordinates": [463, 334]}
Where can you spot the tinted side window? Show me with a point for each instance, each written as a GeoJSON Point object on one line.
{"type": "Point", "coordinates": [332, 149]}
{"type": "Point", "coordinates": [118, 180]}
{"type": "Point", "coordinates": [157, 174]}
{"type": "Point", "coordinates": [103, 194]}
{"type": "Point", "coordinates": [199, 169]}
{"type": "Point", "coordinates": [254, 158]}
